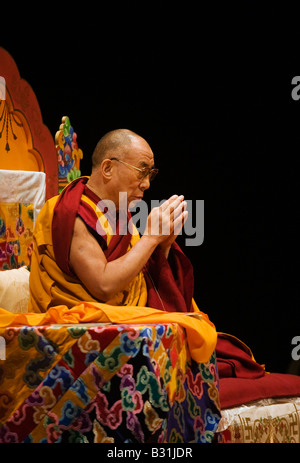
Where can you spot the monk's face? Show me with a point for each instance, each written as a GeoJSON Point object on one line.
{"type": "Point", "coordinates": [126, 178]}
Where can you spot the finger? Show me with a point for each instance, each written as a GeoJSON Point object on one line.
{"type": "Point", "coordinates": [181, 207]}
{"type": "Point", "coordinates": [179, 222]}
{"type": "Point", "coordinates": [167, 203]}
{"type": "Point", "coordinates": [174, 201]}
{"type": "Point", "coordinates": [170, 214]}
{"type": "Point", "coordinates": [160, 222]}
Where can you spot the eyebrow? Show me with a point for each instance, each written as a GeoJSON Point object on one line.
{"type": "Point", "coordinates": [145, 164]}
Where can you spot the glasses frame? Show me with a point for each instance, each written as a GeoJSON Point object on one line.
{"type": "Point", "coordinates": [145, 171]}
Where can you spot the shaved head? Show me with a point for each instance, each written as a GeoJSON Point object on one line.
{"type": "Point", "coordinates": [112, 143]}
{"type": "Point", "coordinates": [119, 162]}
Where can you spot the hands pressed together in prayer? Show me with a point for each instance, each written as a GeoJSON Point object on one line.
{"type": "Point", "coordinates": [164, 223]}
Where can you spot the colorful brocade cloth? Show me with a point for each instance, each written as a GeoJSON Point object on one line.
{"type": "Point", "coordinates": [16, 234]}
{"type": "Point", "coordinates": [105, 383]}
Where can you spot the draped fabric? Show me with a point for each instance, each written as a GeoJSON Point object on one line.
{"type": "Point", "coordinates": [243, 380]}
{"type": "Point", "coordinates": [200, 331]}
{"type": "Point", "coordinates": [97, 383]}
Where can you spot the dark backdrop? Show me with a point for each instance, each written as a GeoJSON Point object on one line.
{"type": "Point", "coordinates": [211, 93]}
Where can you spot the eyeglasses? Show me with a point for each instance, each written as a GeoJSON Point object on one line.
{"type": "Point", "coordinates": [143, 173]}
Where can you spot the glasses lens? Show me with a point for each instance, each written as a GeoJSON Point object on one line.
{"type": "Point", "coordinates": [148, 172]}
{"type": "Point", "coordinates": [152, 174]}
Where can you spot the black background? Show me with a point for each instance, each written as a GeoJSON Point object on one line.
{"type": "Point", "coordinates": [210, 90]}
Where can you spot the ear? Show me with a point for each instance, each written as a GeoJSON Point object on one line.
{"type": "Point", "coordinates": [106, 169]}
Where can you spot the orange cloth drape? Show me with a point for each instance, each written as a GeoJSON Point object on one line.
{"type": "Point", "coordinates": [201, 333]}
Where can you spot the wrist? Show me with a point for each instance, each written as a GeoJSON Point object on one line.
{"type": "Point", "coordinates": [149, 241]}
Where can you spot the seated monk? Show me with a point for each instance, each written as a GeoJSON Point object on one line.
{"type": "Point", "coordinates": [83, 253]}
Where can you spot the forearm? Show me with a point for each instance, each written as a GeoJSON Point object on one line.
{"type": "Point", "coordinates": [119, 273]}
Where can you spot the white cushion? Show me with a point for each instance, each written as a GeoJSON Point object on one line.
{"type": "Point", "coordinates": [19, 186]}
{"type": "Point", "coordinates": [14, 289]}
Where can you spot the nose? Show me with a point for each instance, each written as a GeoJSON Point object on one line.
{"type": "Point", "coordinates": [145, 183]}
